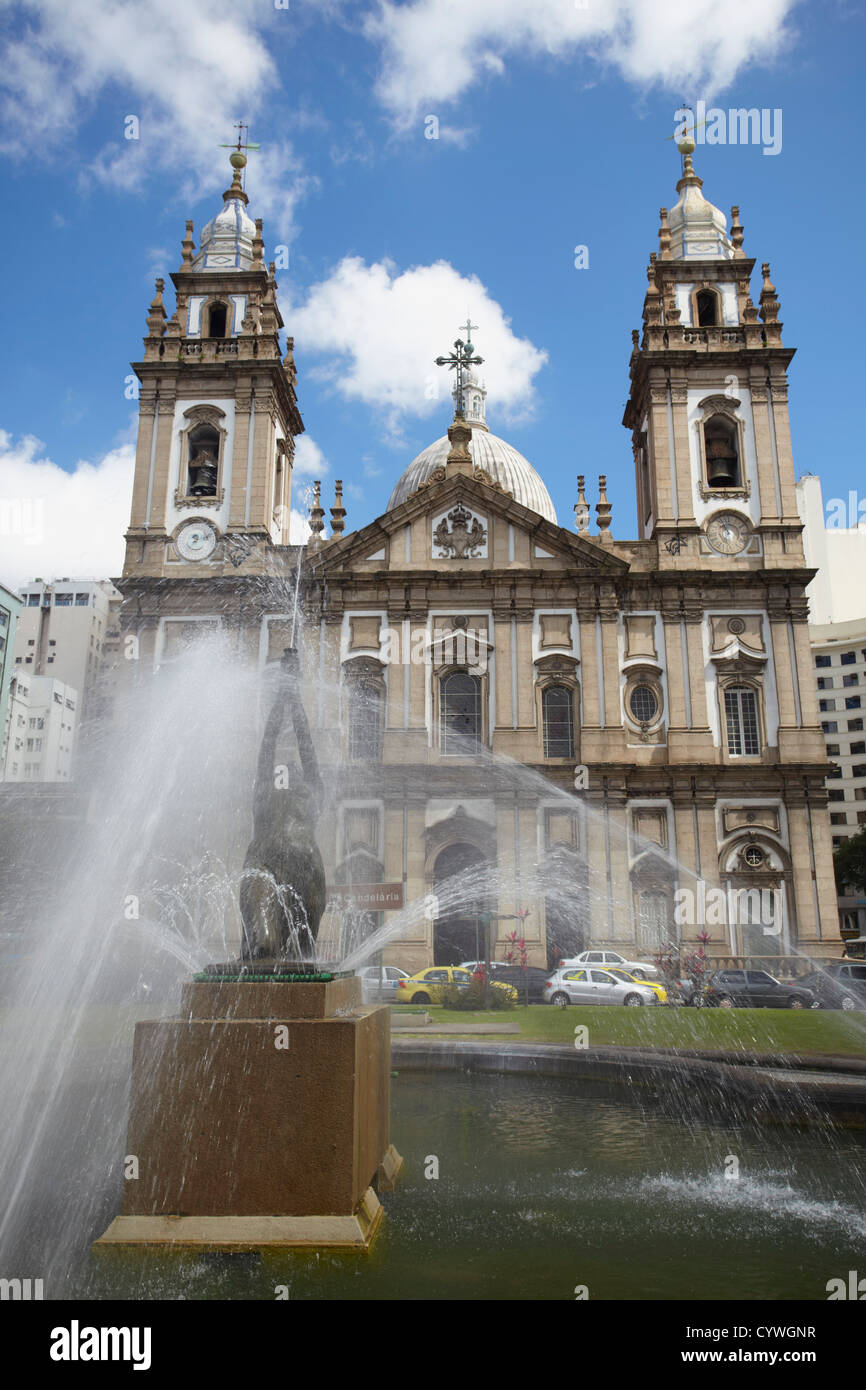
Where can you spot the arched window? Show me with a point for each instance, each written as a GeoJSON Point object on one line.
{"type": "Point", "coordinates": [557, 712]}
{"type": "Point", "coordinates": [741, 719]}
{"type": "Point", "coordinates": [216, 322]}
{"type": "Point", "coordinates": [461, 721]}
{"type": "Point", "coordinates": [653, 920]}
{"type": "Point", "coordinates": [722, 453]}
{"type": "Point", "coordinates": [203, 466]}
{"type": "Point", "coordinates": [365, 721]}
{"type": "Point", "coordinates": [707, 306]}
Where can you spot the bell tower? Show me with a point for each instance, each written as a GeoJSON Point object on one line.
{"type": "Point", "coordinates": [708, 402]}
{"type": "Point", "coordinates": [218, 413]}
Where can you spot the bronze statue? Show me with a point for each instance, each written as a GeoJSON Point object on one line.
{"type": "Point", "coordinates": [282, 894]}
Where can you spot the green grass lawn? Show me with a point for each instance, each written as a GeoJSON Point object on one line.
{"type": "Point", "coordinates": [711, 1030]}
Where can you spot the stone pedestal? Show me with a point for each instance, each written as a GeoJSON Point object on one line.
{"type": "Point", "coordinates": [259, 1117]}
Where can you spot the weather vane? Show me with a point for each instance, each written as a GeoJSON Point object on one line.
{"type": "Point", "coordinates": [461, 358]}
{"type": "Point", "coordinates": [238, 160]}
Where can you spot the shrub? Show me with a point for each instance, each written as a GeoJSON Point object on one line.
{"type": "Point", "coordinates": [472, 997]}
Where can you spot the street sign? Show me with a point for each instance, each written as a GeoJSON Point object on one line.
{"type": "Point", "coordinates": [369, 897]}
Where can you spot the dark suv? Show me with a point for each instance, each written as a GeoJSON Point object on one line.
{"type": "Point", "coordinates": [728, 989]}
{"type": "Point", "coordinates": [839, 984]}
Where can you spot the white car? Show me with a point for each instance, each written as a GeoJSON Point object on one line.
{"type": "Point", "coordinates": [638, 968]}
{"type": "Point", "coordinates": [585, 986]}
{"type": "Point", "coordinates": [376, 991]}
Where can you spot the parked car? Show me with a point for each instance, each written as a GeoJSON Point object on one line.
{"type": "Point", "coordinates": [620, 974]}
{"type": "Point", "coordinates": [839, 984]}
{"type": "Point", "coordinates": [426, 986]}
{"type": "Point", "coordinates": [506, 972]}
{"type": "Point", "coordinates": [380, 991]}
{"type": "Point", "coordinates": [639, 968]}
{"type": "Point", "coordinates": [728, 989]}
{"type": "Point", "coordinates": [592, 986]}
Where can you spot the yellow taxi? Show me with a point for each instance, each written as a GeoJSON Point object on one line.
{"type": "Point", "coordinates": [657, 989]}
{"type": "Point", "coordinates": [426, 986]}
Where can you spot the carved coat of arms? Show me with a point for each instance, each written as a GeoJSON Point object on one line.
{"type": "Point", "coordinates": [460, 535]}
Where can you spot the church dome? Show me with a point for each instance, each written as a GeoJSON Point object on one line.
{"type": "Point", "coordinates": [504, 464]}
{"type": "Point", "coordinates": [227, 240]}
{"type": "Point", "coordinates": [698, 228]}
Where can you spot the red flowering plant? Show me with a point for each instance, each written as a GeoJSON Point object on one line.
{"type": "Point", "coordinates": [696, 965]}
{"type": "Point", "coordinates": [517, 954]}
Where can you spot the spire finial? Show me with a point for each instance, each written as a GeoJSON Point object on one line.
{"type": "Point", "coordinates": [188, 244]}
{"type": "Point", "coordinates": [603, 510]}
{"type": "Point", "coordinates": [664, 235]}
{"type": "Point", "coordinates": [317, 513]}
{"type": "Point", "coordinates": [458, 361]}
{"type": "Point", "coordinates": [736, 231]}
{"type": "Point", "coordinates": [338, 511]}
{"type": "Point", "coordinates": [238, 161]}
{"type": "Point", "coordinates": [581, 506]}
{"type": "Point", "coordinates": [156, 315]}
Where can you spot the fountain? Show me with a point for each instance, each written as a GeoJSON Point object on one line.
{"type": "Point", "coordinates": [546, 1180]}
{"type": "Point", "coordinates": [260, 1116]}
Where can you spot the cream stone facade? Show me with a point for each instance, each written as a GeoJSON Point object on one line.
{"type": "Point", "coordinates": [516, 717]}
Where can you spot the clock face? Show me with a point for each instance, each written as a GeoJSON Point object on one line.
{"type": "Point", "coordinates": [196, 540]}
{"type": "Point", "coordinates": [728, 533]}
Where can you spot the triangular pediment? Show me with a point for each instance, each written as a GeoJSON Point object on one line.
{"type": "Point", "coordinates": [462, 521]}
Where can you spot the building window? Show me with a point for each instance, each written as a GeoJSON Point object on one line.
{"type": "Point", "coordinates": [839, 818]}
{"type": "Point", "coordinates": [855, 726]}
{"type": "Point", "coordinates": [216, 322]}
{"type": "Point", "coordinates": [722, 453]}
{"type": "Point", "coordinates": [32, 600]}
{"type": "Point", "coordinates": [825, 682]}
{"type": "Point", "coordinates": [82, 600]}
{"type": "Point", "coordinates": [741, 715]}
{"type": "Point", "coordinates": [830, 726]}
{"type": "Point", "coordinates": [62, 600]}
{"type": "Point", "coordinates": [852, 679]}
{"type": "Point", "coordinates": [365, 721]}
{"type": "Point", "coordinates": [826, 705]}
{"type": "Point", "coordinates": [847, 658]}
{"type": "Point", "coordinates": [858, 770]}
{"type": "Point", "coordinates": [852, 701]}
{"type": "Point", "coordinates": [861, 817]}
{"type": "Point", "coordinates": [461, 713]}
{"type": "Point", "coordinates": [707, 308]}
{"type": "Point", "coordinates": [203, 467]}
{"type": "Point", "coordinates": [836, 796]}
{"type": "Point", "coordinates": [835, 772]}
{"type": "Point", "coordinates": [822, 661]}
{"type": "Point", "coordinates": [557, 709]}
{"type": "Point", "coordinates": [832, 748]}
{"type": "Point", "coordinates": [859, 747]}
{"type": "Point", "coordinates": [643, 704]}
{"type": "Point", "coordinates": [653, 921]}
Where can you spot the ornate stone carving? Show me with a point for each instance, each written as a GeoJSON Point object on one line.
{"type": "Point", "coordinates": [237, 547]}
{"type": "Point", "coordinates": [460, 535]}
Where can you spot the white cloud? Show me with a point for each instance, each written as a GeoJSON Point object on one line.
{"type": "Point", "coordinates": [183, 70]}
{"type": "Point", "coordinates": [379, 330]}
{"type": "Point", "coordinates": [53, 522]}
{"type": "Point", "coordinates": [435, 50]}
{"type": "Point", "coordinates": [299, 528]}
{"type": "Point", "coordinates": [309, 462]}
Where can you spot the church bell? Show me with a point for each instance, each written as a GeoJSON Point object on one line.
{"type": "Point", "coordinates": [722, 467]}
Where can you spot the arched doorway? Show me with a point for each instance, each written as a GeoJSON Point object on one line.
{"type": "Point", "coordinates": [461, 887]}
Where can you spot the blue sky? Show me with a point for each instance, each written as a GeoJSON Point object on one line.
{"type": "Point", "coordinates": [553, 125]}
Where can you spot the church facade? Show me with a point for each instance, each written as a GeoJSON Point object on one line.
{"type": "Point", "coordinates": [525, 727]}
